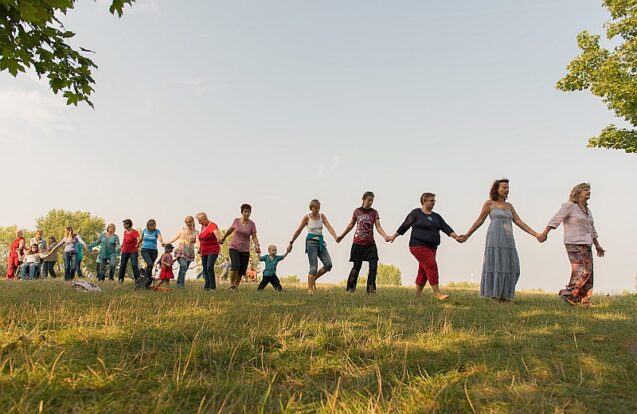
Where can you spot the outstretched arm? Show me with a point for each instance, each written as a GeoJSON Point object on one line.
{"type": "Point", "coordinates": [228, 233]}
{"type": "Point", "coordinates": [298, 231]}
{"type": "Point", "coordinates": [480, 220]}
{"type": "Point", "coordinates": [349, 227]}
{"type": "Point", "coordinates": [329, 227]}
{"type": "Point", "coordinates": [518, 222]}
{"type": "Point", "coordinates": [174, 239]}
{"type": "Point", "coordinates": [255, 240]}
{"type": "Point", "coordinates": [380, 230]}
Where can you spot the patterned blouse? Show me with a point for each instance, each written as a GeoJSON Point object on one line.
{"type": "Point", "coordinates": [187, 240]}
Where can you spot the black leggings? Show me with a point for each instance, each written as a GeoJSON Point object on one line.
{"type": "Point", "coordinates": [239, 261]}
{"type": "Point", "coordinates": [352, 280]}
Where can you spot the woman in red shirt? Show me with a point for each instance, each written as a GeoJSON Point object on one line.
{"type": "Point", "coordinates": [15, 254]}
{"type": "Point", "coordinates": [209, 249]}
{"type": "Point", "coordinates": [129, 251]}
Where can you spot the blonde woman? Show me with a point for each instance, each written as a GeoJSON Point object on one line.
{"type": "Point", "coordinates": [72, 244]}
{"type": "Point", "coordinates": [110, 248]}
{"type": "Point", "coordinates": [579, 235]}
{"type": "Point", "coordinates": [188, 238]}
{"type": "Point", "coordinates": [315, 245]}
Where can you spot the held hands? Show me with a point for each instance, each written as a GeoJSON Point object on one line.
{"type": "Point", "coordinates": [289, 249]}
{"type": "Point", "coordinates": [462, 238]}
{"type": "Point", "coordinates": [541, 237]}
{"type": "Point", "coordinates": [339, 238]}
{"type": "Point", "coordinates": [390, 239]}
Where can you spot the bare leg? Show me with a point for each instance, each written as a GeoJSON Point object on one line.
{"type": "Point", "coordinates": [311, 280]}
{"type": "Point", "coordinates": [419, 289]}
{"type": "Point", "coordinates": [439, 295]}
{"type": "Point", "coordinates": [233, 278]}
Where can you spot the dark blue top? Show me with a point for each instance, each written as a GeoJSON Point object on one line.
{"type": "Point", "coordinates": [425, 228]}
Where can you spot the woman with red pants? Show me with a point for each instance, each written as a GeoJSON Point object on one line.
{"type": "Point", "coordinates": [15, 254]}
{"type": "Point", "coordinates": [425, 238]}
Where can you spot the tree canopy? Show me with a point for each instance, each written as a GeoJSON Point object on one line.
{"type": "Point", "coordinates": [83, 223]}
{"type": "Point", "coordinates": [33, 36]}
{"type": "Point", "coordinates": [610, 74]}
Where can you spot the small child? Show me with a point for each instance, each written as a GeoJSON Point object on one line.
{"type": "Point", "coordinates": [166, 263]}
{"type": "Point", "coordinates": [269, 272]}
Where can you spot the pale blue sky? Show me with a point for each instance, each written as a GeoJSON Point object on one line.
{"type": "Point", "coordinates": [204, 105]}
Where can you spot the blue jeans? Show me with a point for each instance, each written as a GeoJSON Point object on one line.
{"type": "Point", "coordinates": [29, 270]}
{"type": "Point", "coordinates": [314, 253]}
{"type": "Point", "coordinates": [183, 268]}
{"type": "Point", "coordinates": [124, 262]}
{"type": "Point", "coordinates": [112, 264]}
{"type": "Point", "coordinates": [70, 265]}
{"type": "Point", "coordinates": [208, 264]}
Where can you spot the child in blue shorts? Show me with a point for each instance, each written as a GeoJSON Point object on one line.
{"type": "Point", "coordinates": [269, 272]}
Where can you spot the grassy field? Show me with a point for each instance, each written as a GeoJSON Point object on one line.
{"type": "Point", "coordinates": [194, 351]}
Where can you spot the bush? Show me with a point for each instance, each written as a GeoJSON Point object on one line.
{"type": "Point", "coordinates": [388, 275]}
{"type": "Point", "coordinates": [290, 279]}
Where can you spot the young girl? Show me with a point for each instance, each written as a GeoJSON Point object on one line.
{"type": "Point", "coordinates": [166, 262]}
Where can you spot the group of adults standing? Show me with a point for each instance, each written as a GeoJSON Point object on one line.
{"type": "Point", "coordinates": [500, 269]}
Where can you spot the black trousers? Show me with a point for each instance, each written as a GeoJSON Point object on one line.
{"type": "Point", "coordinates": [48, 268]}
{"type": "Point", "coordinates": [276, 283]}
{"type": "Point", "coordinates": [149, 256]}
{"type": "Point", "coordinates": [352, 280]}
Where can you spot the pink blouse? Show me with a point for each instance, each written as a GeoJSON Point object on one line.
{"type": "Point", "coordinates": [578, 225]}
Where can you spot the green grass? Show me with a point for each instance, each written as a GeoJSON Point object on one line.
{"type": "Point", "coordinates": [194, 351]}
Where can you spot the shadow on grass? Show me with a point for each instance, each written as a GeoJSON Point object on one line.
{"type": "Point", "coordinates": [191, 350]}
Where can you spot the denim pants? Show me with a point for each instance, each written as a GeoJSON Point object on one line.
{"type": "Point", "coordinates": [70, 265]}
{"type": "Point", "coordinates": [183, 268]}
{"type": "Point", "coordinates": [29, 270]}
{"type": "Point", "coordinates": [149, 256]}
{"type": "Point", "coordinates": [78, 266]}
{"type": "Point", "coordinates": [124, 262]}
{"type": "Point", "coordinates": [208, 263]}
{"type": "Point", "coordinates": [112, 264]}
{"type": "Point", "coordinates": [314, 253]}
{"type": "Point", "coordinates": [48, 267]}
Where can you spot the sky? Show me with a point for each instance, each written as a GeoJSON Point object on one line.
{"type": "Point", "coordinates": [205, 105]}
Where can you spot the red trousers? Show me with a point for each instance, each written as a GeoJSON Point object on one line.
{"type": "Point", "coordinates": [427, 266]}
{"type": "Point", "coordinates": [12, 266]}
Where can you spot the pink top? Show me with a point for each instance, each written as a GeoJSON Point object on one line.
{"type": "Point", "coordinates": [578, 225]}
{"type": "Point", "coordinates": [241, 235]}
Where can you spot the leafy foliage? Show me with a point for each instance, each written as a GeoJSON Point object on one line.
{"type": "Point", "coordinates": [83, 223]}
{"type": "Point", "coordinates": [32, 36]}
{"type": "Point", "coordinates": [388, 275]}
{"type": "Point", "coordinates": [611, 75]}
